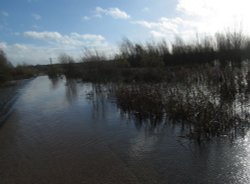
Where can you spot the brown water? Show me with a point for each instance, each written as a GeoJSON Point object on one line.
{"type": "Point", "coordinates": [61, 132]}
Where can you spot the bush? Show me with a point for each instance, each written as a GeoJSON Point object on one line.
{"type": "Point", "coordinates": [5, 68]}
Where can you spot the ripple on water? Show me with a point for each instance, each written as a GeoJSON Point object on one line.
{"type": "Point", "coordinates": [58, 134]}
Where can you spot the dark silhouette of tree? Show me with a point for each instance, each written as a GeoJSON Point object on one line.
{"type": "Point", "coordinates": [5, 67]}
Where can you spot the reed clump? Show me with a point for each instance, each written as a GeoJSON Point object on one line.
{"type": "Point", "coordinates": [141, 101]}
{"type": "Point", "coordinates": [203, 116]}
{"type": "Point", "coordinates": [152, 62]}
{"type": "Point", "coordinates": [207, 106]}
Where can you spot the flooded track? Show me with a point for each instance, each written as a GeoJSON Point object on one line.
{"type": "Point", "coordinates": [59, 133]}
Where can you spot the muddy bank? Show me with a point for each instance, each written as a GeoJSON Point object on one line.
{"type": "Point", "coordinates": [8, 95]}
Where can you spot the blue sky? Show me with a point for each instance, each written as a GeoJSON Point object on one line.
{"type": "Point", "coordinates": [31, 31]}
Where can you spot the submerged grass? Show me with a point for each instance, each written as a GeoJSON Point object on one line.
{"type": "Point", "coordinates": [207, 104]}
{"type": "Point", "coordinates": [203, 85]}
{"type": "Point", "coordinates": [204, 116]}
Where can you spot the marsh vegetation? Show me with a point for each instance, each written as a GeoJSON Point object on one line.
{"type": "Point", "coordinates": [202, 85]}
{"type": "Point", "coordinates": [214, 104]}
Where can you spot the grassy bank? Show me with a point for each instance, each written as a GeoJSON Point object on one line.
{"type": "Point", "coordinates": [9, 73]}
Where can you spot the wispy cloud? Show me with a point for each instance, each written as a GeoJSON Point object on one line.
{"type": "Point", "coordinates": [85, 18]}
{"type": "Point", "coordinates": [54, 36]}
{"type": "Point", "coordinates": [165, 27]}
{"type": "Point", "coordinates": [116, 13]}
{"type": "Point", "coordinates": [4, 26]}
{"type": "Point", "coordinates": [145, 9]}
{"type": "Point", "coordinates": [73, 39]}
{"type": "Point", "coordinates": [31, 1]}
{"type": "Point", "coordinates": [35, 26]}
{"type": "Point", "coordinates": [4, 13]}
{"type": "Point", "coordinates": [3, 45]}
{"type": "Point", "coordinates": [36, 16]}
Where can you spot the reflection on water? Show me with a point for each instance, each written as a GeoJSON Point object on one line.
{"type": "Point", "coordinates": [54, 82]}
{"type": "Point", "coordinates": [71, 90]}
{"type": "Point", "coordinates": [76, 133]}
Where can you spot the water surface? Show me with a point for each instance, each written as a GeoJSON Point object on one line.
{"type": "Point", "coordinates": [63, 132]}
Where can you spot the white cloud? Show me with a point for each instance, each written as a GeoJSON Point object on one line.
{"type": "Point", "coordinates": [144, 23]}
{"type": "Point", "coordinates": [36, 16]}
{"type": "Point", "coordinates": [116, 13]}
{"type": "Point", "coordinates": [87, 36]}
{"type": "Point", "coordinates": [195, 7]}
{"type": "Point", "coordinates": [54, 36]}
{"type": "Point", "coordinates": [3, 45]}
{"type": "Point", "coordinates": [72, 44]}
{"type": "Point", "coordinates": [33, 54]}
{"type": "Point", "coordinates": [158, 35]}
{"type": "Point", "coordinates": [164, 24]}
{"type": "Point", "coordinates": [73, 39]}
{"type": "Point", "coordinates": [30, 54]}
{"type": "Point", "coordinates": [4, 13]}
{"type": "Point", "coordinates": [20, 46]}
{"type": "Point", "coordinates": [165, 27]}
{"type": "Point", "coordinates": [201, 16]}
{"type": "Point", "coordinates": [212, 15]}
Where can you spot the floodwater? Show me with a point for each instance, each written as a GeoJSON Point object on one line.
{"type": "Point", "coordinates": [62, 132]}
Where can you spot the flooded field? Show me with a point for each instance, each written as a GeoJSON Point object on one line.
{"type": "Point", "coordinates": [69, 132]}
